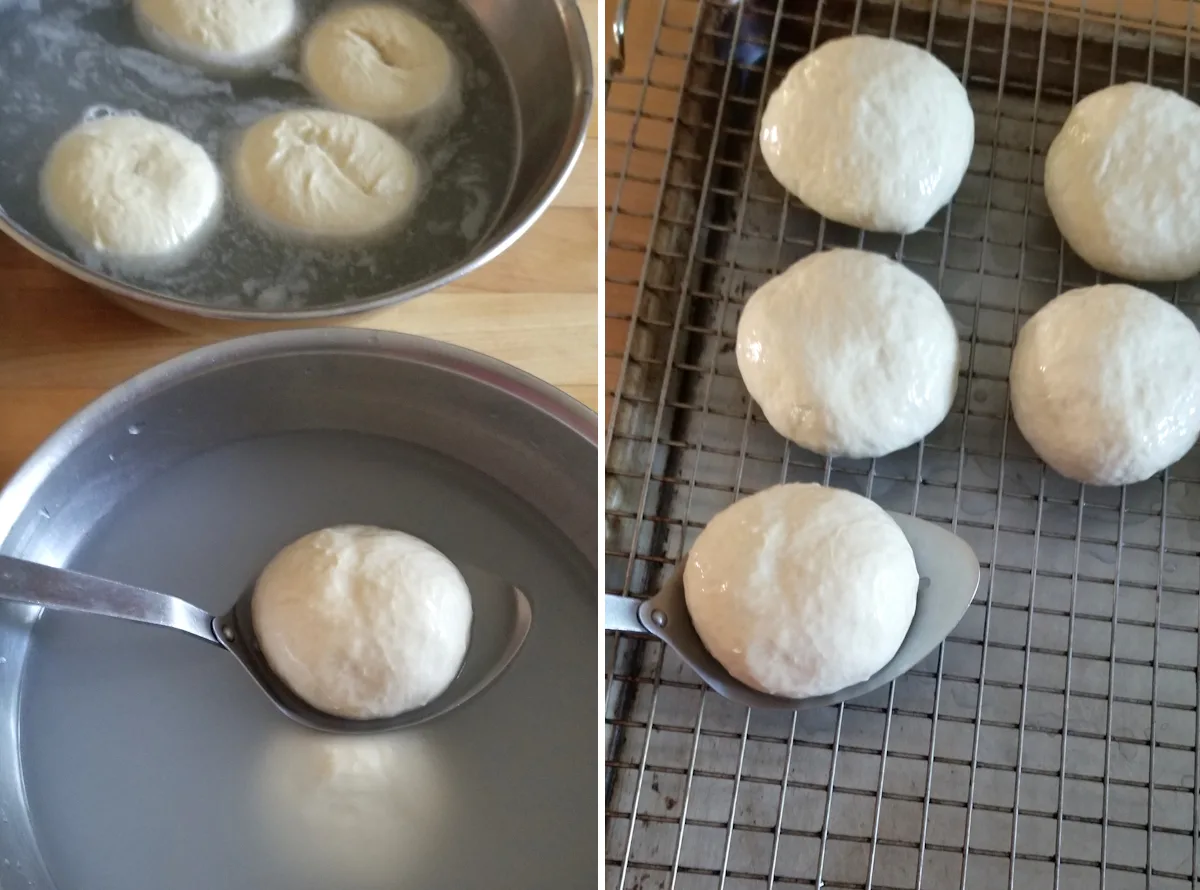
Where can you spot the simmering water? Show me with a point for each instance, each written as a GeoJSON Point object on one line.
{"type": "Point", "coordinates": [150, 759]}
{"type": "Point", "coordinates": [64, 61]}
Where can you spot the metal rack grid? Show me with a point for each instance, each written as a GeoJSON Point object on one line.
{"type": "Point", "coordinates": [1052, 741]}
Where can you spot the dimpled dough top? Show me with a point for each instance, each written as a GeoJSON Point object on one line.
{"type": "Point", "coordinates": [363, 622]}
{"type": "Point", "coordinates": [222, 32]}
{"type": "Point", "coordinates": [869, 132]}
{"type": "Point", "coordinates": [378, 61]}
{"type": "Point", "coordinates": [1105, 384]}
{"type": "Point", "coordinates": [1123, 182]}
{"type": "Point", "coordinates": [849, 354]}
{"type": "Point", "coordinates": [801, 590]}
{"type": "Point", "coordinates": [325, 174]}
{"type": "Point", "coordinates": [130, 188]}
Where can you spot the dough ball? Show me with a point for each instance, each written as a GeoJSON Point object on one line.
{"type": "Point", "coordinates": [324, 174]}
{"type": "Point", "coordinates": [363, 622]}
{"type": "Point", "coordinates": [1105, 384]}
{"type": "Point", "coordinates": [869, 132]}
{"type": "Point", "coordinates": [849, 354]}
{"type": "Point", "coordinates": [378, 61]}
{"type": "Point", "coordinates": [356, 810]}
{"type": "Point", "coordinates": [801, 590]}
{"type": "Point", "coordinates": [223, 33]}
{"type": "Point", "coordinates": [1123, 182]}
{"type": "Point", "coordinates": [130, 189]}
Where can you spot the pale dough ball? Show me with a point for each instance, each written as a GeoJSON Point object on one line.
{"type": "Point", "coordinates": [363, 622]}
{"type": "Point", "coordinates": [378, 61]}
{"type": "Point", "coordinates": [849, 354]}
{"type": "Point", "coordinates": [801, 590]}
{"type": "Point", "coordinates": [869, 132]}
{"type": "Point", "coordinates": [130, 188]}
{"type": "Point", "coordinates": [356, 810]}
{"type": "Point", "coordinates": [1123, 182]}
{"type": "Point", "coordinates": [325, 174]}
{"type": "Point", "coordinates": [1105, 384]}
{"type": "Point", "coordinates": [225, 33]}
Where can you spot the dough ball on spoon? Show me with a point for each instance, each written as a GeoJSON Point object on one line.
{"type": "Point", "coordinates": [363, 622]}
{"type": "Point", "coordinates": [1123, 182]}
{"type": "Point", "coordinates": [1105, 384]}
{"type": "Point", "coordinates": [801, 590]}
{"type": "Point", "coordinates": [869, 132]}
{"type": "Point", "coordinates": [325, 175]}
{"type": "Point", "coordinates": [130, 189]}
{"type": "Point", "coordinates": [226, 34]}
{"type": "Point", "coordinates": [849, 354]}
{"type": "Point", "coordinates": [378, 61]}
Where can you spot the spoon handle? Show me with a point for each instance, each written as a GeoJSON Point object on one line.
{"type": "Point", "coordinates": [621, 614]}
{"type": "Point", "coordinates": [39, 585]}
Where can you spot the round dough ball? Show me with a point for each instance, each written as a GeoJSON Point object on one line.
{"type": "Point", "coordinates": [849, 354]}
{"type": "Point", "coordinates": [801, 590]}
{"type": "Point", "coordinates": [324, 174]}
{"type": "Point", "coordinates": [869, 132]}
{"type": "Point", "coordinates": [356, 810]}
{"type": "Point", "coordinates": [223, 33]}
{"type": "Point", "coordinates": [130, 189]}
{"type": "Point", "coordinates": [363, 622]}
{"type": "Point", "coordinates": [378, 61]}
{"type": "Point", "coordinates": [1105, 384]}
{"type": "Point", "coordinates": [1123, 182]}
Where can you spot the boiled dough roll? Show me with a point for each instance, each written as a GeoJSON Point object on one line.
{"type": "Point", "coordinates": [849, 353]}
{"type": "Point", "coordinates": [1105, 384]}
{"type": "Point", "coordinates": [363, 622]}
{"type": "Point", "coordinates": [378, 61]}
{"type": "Point", "coordinates": [323, 174]}
{"type": "Point", "coordinates": [801, 590]}
{"type": "Point", "coordinates": [869, 132]}
{"type": "Point", "coordinates": [130, 189]}
{"type": "Point", "coordinates": [224, 33]}
{"type": "Point", "coordinates": [1123, 182]}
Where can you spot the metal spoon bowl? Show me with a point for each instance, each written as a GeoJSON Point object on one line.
{"type": "Point", "coordinates": [501, 622]}
{"type": "Point", "coordinates": [949, 574]}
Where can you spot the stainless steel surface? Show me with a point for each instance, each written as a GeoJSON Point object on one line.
{"type": "Point", "coordinates": [188, 478]}
{"type": "Point", "coordinates": [1052, 741]}
{"type": "Point", "coordinates": [502, 618]}
{"type": "Point", "coordinates": [949, 575]}
{"type": "Point", "coordinates": [35, 584]}
{"type": "Point", "coordinates": [490, 170]}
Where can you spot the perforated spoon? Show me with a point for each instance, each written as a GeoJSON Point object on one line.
{"type": "Point", "coordinates": [949, 575]}
{"type": "Point", "coordinates": [502, 618]}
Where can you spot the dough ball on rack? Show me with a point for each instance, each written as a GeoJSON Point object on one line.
{"type": "Point", "coordinates": [227, 34]}
{"type": "Point", "coordinates": [869, 132]}
{"type": "Point", "coordinates": [325, 175]}
{"type": "Point", "coordinates": [363, 622]}
{"type": "Point", "coordinates": [379, 61]}
{"type": "Point", "coordinates": [1123, 182]}
{"type": "Point", "coordinates": [801, 590]}
{"type": "Point", "coordinates": [849, 354]}
{"type": "Point", "coordinates": [1105, 384]}
{"type": "Point", "coordinates": [130, 189]}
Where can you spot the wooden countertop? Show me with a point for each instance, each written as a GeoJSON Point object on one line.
{"type": "Point", "coordinates": [62, 344]}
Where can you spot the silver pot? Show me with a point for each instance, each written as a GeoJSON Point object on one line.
{"type": "Point", "coordinates": [187, 478]}
{"type": "Point", "coordinates": [542, 44]}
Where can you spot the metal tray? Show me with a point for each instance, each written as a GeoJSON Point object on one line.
{"type": "Point", "coordinates": [490, 166]}
{"type": "Point", "coordinates": [130, 757]}
{"type": "Point", "coordinates": [1052, 741]}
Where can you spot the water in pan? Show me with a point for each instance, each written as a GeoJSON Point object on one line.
{"type": "Point", "coordinates": [151, 760]}
{"type": "Point", "coordinates": [64, 60]}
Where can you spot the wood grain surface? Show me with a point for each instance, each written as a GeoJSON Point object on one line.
{"type": "Point", "coordinates": [62, 344]}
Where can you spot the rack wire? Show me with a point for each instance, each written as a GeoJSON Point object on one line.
{"type": "Point", "coordinates": [1052, 740]}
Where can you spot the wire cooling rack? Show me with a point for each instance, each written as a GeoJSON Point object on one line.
{"type": "Point", "coordinates": [1052, 741]}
